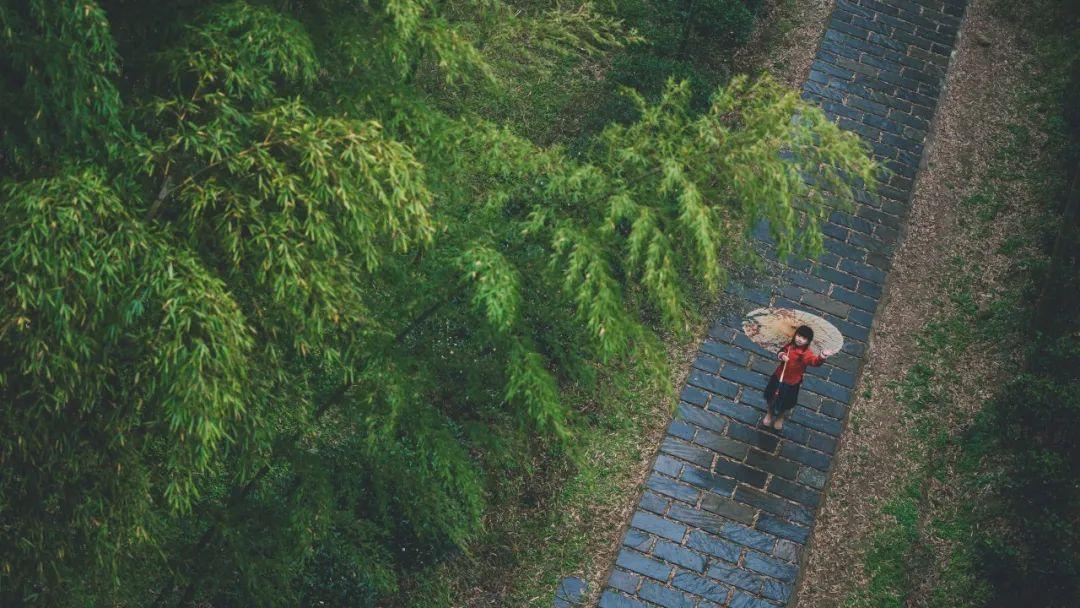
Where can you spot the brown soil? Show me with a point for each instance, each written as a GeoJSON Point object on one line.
{"type": "Point", "coordinates": [969, 128]}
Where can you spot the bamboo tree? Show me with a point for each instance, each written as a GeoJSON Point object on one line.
{"type": "Point", "coordinates": [278, 311]}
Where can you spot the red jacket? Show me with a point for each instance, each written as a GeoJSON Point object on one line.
{"type": "Point", "coordinates": [798, 360]}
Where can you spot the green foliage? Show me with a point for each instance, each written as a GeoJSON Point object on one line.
{"type": "Point", "coordinates": [282, 312]}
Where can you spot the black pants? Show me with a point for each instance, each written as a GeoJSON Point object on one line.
{"type": "Point", "coordinates": [786, 399]}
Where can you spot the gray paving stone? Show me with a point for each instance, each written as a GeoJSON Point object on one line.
{"type": "Point", "coordinates": [664, 596]}
{"type": "Point", "coordinates": [687, 452]}
{"type": "Point", "coordinates": [787, 551]}
{"type": "Point", "coordinates": [658, 525]}
{"type": "Point", "coordinates": [710, 482]}
{"type": "Point", "coordinates": [680, 555]}
{"type": "Point", "coordinates": [736, 577]}
{"type": "Point", "coordinates": [795, 491]}
{"type": "Point", "coordinates": [783, 529]}
{"type": "Point", "coordinates": [748, 537]}
{"type": "Point", "coordinates": [638, 540]}
{"type": "Point", "coordinates": [742, 600]}
{"type": "Point", "coordinates": [670, 487]}
{"type": "Point", "coordinates": [624, 581]}
{"type": "Point", "coordinates": [816, 459]}
{"type": "Point", "coordinates": [765, 442]}
{"type": "Point", "coordinates": [611, 599]}
{"type": "Point", "coordinates": [642, 564]}
{"type": "Point", "coordinates": [772, 567]}
{"type": "Point", "coordinates": [699, 417]}
{"type": "Point", "coordinates": [728, 508]}
{"type": "Point", "coordinates": [693, 395]}
{"type": "Point", "coordinates": [714, 385]}
{"type": "Point", "coordinates": [701, 587]}
{"type": "Point", "coordinates": [714, 546]}
{"type": "Point", "coordinates": [721, 444]}
{"type": "Point", "coordinates": [682, 430]}
{"type": "Point", "coordinates": [651, 501]}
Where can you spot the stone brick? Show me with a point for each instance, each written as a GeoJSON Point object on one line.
{"type": "Point", "coordinates": [828, 389]}
{"type": "Point", "coordinates": [748, 537]}
{"type": "Point", "coordinates": [638, 540]}
{"type": "Point", "coordinates": [850, 297]}
{"type": "Point", "coordinates": [611, 599]}
{"type": "Point", "coordinates": [773, 504]}
{"type": "Point", "coordinates": [714, 546]}
{"type": "Point", "coordinates": [699, 417]}
{"type": "Point", "coordinates": [772, 464]}
{"type": "Point", "coordinates": [651, 501]}
{"type": "Point", "coordinates": [856, 125]}
{"type": "Point", "coordinates": [697, 518]}
{"type": "Point", "coordinates": [693, 395]}
{"type": "Point", "coordinates": [812, 477]}
{"type": "Point", "coordinates": [736, 577]}
{"type": "Point", "coordinates": [707, 364]}
{"type": "Point", "coordinates": [742, 600]}
{"type": "Point", "coordinates": [786, 550]}
{"type": "Point", "coordinates": [701, 587]}
{"type": "Point", "coordinates": [658, 525]}
{"type": "Point", "coordinates": [795, 433]}
{"type": "Point", "coordinates": [624, 581]}
{"type": "Point", "coordinates": [855, 223]}
{"type": "Point", "coordinates": [869, 289]}
{"type": "Point", "coordinates": [818, 422]}
{"type": "Point", "coordinates": [823, 443]}
{"type": "Point", "coordinates": [806, 456]}
{"type": "Point", "coordinates": [798, 493]}
{"type": "Point", "coordinates": [672, 488]}
{"type": "Point", "coordinates": [642, 564]}
{"type": "Point", "coordinates": [663, 596]}
{"type": "Point", "coordinates": [783, 529]}
{"type": "Point", "coordinates": [728, 508]}
{"type": "Point", "coordinates": [852, 331]}
{"type": "Point", "coordinates": [766, 442]}
{"type": "Point", "coordinates": [771, 567]}
{"type": "Point", "coordinates": [713, 384]}
{"type": "Point", "coordinates": [863, 271]}
{"type": "Point", "coordinates": [843, 378]}
{"type": "Point", "coordinates": [836, 277]}
{"type": "Point", "coordinates": [680, 429]}
{"type": "Point", "coordinates": [677, 554]}
{"type": "Point", "coordinates": [667, 465]}
{"type": "Point", "coordinates": [721, 444]}
{"type": "Point", "coordinates": [775, 590]}
{"type": "Point", "coordinates": [711, 482]}
{"type": "Point", "coordinates": [744, 376]}
{"type": "Point", "coordinates": [755, 399]}
{"type": "Point", "coordinates": [740, 472]}
{"type": "Point", "coordinates": [739, 412]}
{"type": "Point", "coordinates": [826, 304]}
{"type": "Point", "coordinates": [726, 352]}
{"type": "Point", "coordinates": [686, 452]}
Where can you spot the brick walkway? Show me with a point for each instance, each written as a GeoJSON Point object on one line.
{"type": "Point", "coordinates": [728, 508]}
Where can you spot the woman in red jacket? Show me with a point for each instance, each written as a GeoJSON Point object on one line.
{"type": "Point", "coordinates": [782, 395]}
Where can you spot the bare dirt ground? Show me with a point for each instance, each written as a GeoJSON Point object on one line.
{"type": "Point", "coordinates": [970, 126]}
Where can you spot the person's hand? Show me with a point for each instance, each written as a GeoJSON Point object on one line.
{"type": "Point", "coordinates": [783, 356]}
{"type": "Point", "coordinates": [827, 353]}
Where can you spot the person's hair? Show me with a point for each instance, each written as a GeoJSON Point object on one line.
{"type": "Point", "coordinates": [806, 332]}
